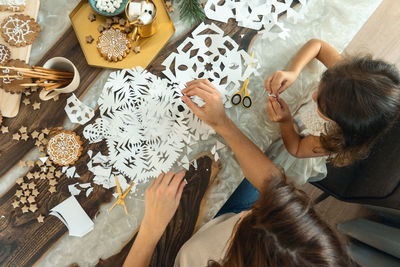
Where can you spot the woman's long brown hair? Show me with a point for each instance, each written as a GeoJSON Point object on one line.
{"type": "Point", "coordinates": [362, 96]}
{"type": "Point", "coordinates": [283, 230]}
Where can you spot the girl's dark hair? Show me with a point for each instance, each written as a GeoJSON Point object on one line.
{"type": "Point", "coordinates": [282, 230]}
{"type": "Point", "coordinates": [362, 95]}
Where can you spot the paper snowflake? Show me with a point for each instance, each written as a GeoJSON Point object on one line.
{"type": "Point", "coordinates": [145, 123]}
{"type": "Point", "coordinates": [257, 14]}
{"type": "Point", "coordinates": [208, 54]}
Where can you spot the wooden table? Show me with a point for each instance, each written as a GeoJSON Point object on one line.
{"type": "Point", "coordinates": [18, 250]}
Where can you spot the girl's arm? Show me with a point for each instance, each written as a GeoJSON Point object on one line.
{"type": "Point", "coordinates": [314, 48]}
{"type": "Point", "coordinates": [255, 165]}
{"type": "Point", "coordinates": [296, 145]}
{"type": "Point", "coordinates": [281, 80]}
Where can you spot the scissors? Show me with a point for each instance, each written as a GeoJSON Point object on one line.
{"type": "Point", "coordinates": [237, 98]}
{"type": "Point", "coordinates": [121, 197]}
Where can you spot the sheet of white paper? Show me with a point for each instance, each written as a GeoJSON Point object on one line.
{"type": "Point", "coordinates": [73, 216]}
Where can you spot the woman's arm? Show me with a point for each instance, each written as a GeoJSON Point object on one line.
{"type": "Point", "coordinates": [296, 145]}
{"type": "Point", "coordinates": [281, 80]}
{"type": "Point", "coordinates": [255, 165]}
{"type": "Point", "coordinates": [162, 200]}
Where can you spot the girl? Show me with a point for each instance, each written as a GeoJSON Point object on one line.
{"type": "Point", "coordinates": [357, 100]}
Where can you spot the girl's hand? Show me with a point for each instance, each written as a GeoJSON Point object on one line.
{"type": "Point", "coordinates": [279, 81]}
{"type": "Point", "coordinates": [277, 110]}
{"type": "Point", "coordinates": [162, 200]}
{"type": "Point", "coordinates": [213, 111]}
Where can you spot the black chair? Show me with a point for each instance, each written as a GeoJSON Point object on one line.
{"type": "Point", "coordinates": [373, 181]}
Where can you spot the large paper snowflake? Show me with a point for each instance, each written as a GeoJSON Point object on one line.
{"type": "Point", "coordinates": [145, 123]}
{"type": "Point", "coordinates": [208, 54]}
{"type": "Point", "coordinates": [257, 14]}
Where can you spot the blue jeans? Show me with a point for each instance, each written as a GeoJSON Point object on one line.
{"type": "Point", "coordinates": [242, 199]}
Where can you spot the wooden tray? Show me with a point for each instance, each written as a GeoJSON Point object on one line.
{"type": "Point", "coordinates": [149, 46]}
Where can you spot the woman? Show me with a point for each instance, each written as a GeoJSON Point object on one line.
{"type": "Point", "coordinates": [279, 230]}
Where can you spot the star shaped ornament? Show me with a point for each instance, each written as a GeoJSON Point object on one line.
{"type": "Point", "coordinates": [40, 218]}
{"type": "Point", "coordinates": [4, 129]}
{"type": "Point", "coordinates": [25, 209]}
{"type": "Point", "coordinates": [36, 106]}
{"type": "Point", "coordinates": [15, 204]}
{"type": "Point", "coordinates": [26, 101]}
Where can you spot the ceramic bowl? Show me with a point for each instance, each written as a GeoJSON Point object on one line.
{"type": "Point", "coordinates": [107, 14]}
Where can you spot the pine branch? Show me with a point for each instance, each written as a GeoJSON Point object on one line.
{"type": "Point", "coordinates": [190, 10]}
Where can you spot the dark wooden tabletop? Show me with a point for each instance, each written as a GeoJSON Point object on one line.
{"type": "Point", "coordinates": [22, 239]}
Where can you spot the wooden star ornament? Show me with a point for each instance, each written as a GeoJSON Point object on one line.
{"type": "Point", "coordinates": [4, 129]}
{"type": "Point", "coordinates": [16, 136]}
{"type": "Point", "coordinates": [26, 101]}
{"type": "Point", "coordinates": [40, 218]}
{"type": "Point", "coordinates": [15, 204]}
{"type": "Point", "coordinates": [25, 209]}
{"type": "Point", "coordinates": [36, 106]}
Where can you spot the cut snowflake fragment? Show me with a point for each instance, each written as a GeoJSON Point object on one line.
{"type": "Point", "coordinates": [77, 111]}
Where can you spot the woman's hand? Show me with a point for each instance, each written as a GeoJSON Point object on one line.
{"type": "Point", "coordinates": [213, 111]}
{"type": "Point", "coordinates": [279, 81]}
{"type": "Point", "coordinates": [162, 200]}
{"type": "Point", "coordinates": [277, 110]}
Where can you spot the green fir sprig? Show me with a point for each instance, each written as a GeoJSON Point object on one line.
{"type": "Point", "coordinates": [190, 10]}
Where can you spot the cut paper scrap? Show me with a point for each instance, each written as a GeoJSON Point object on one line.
{"type": "Point", "coordinates": [73, 216]}
{"type": "Point", "coordinates": [77, 111]}
{"type": "Point", "coordinates": [258, 14]}
{"type": "Point", "coordinates": [73, 189]}
{"type": "Point", "coordinates": [89, 191]}
{"type": "Point", "coordinates": [210, 54]}
{"type": "Point", "coordinates": [145, 125]}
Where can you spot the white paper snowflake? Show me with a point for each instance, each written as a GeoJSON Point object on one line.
{"type": "Point", "coordinates": [145, 123]}
{"type": "Point", "coordinates": [208, 54]}
{"type": "Point", "coordinates": [77, 111]}
{"type": "Point", "coordinates": [257, 14]}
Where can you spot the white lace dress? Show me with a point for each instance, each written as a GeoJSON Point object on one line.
{"type": "Point", "coordinates": [301, 170]}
